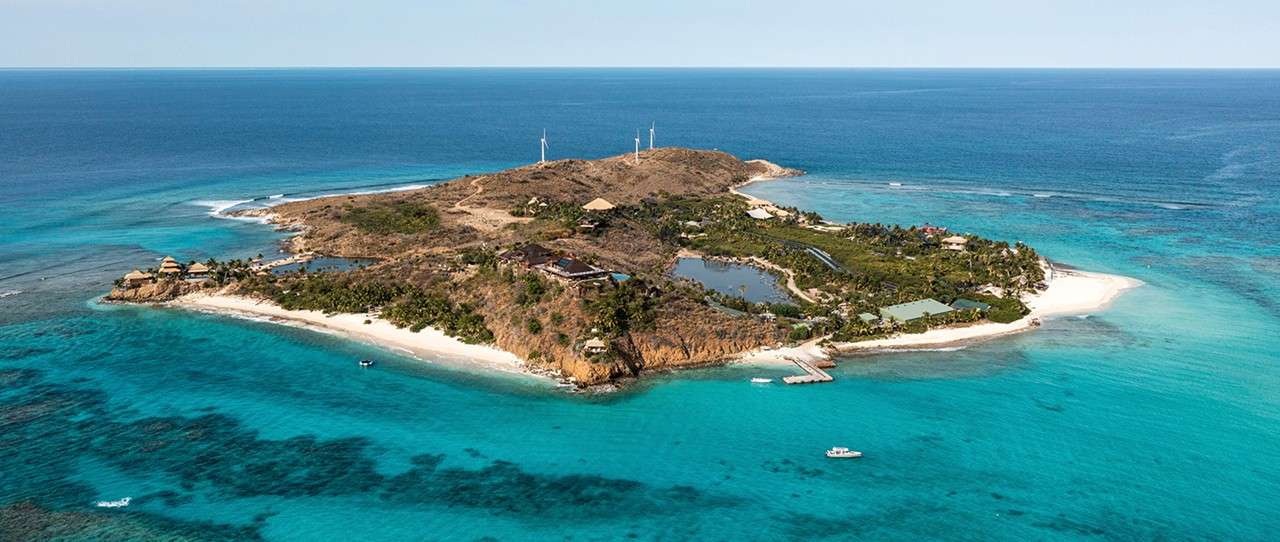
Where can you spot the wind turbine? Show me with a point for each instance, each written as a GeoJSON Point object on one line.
{"type": "Point", "coordinates": [651, 128]}
{"type": "Point", "coordinates": [544, 147]}
{"type": "Point", "coordinates": [637, 145]}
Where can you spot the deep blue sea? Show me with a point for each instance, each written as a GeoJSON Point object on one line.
{"type": "Point", "coordinates": [1158, 419]}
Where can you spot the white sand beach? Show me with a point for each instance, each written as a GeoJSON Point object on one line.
{"type": "Point", "coordinates": [1069, 292]}
{"type": "Point", "coordinates": [430, 344]}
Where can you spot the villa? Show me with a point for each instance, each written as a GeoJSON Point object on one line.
{"type": "Point", "coordinates": [930, 230]}
{"type": "Point", "coordinates": [914, 310]}
{"type": "Point", "coordinates": [170, 268]}
{"type": "Point", "coordinates": [197, 271]}
{"type": "Point", "coordinates": [965, 304]}
{"type": "Point", "coordinates": [595, 346]}
{"type": "Point", "coordinates": [571, 269]}
{"type": "Point", "coordinates": [955, 242]}
{"type": "Point", "coordinates": [136, 278]}
{"type": "Point", "coordinates": [530, 255]}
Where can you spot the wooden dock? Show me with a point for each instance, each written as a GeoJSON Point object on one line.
{"type": "Point", "coordinates": [813, 375]}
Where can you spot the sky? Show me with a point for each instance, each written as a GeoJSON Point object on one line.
{"type": "Point", "coordinates": [779, 33]}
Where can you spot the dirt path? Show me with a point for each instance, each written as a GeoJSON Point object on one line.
{"type": "Point", "coordinates": [791, 277]}
{"type": "Point", "coordinates": [484, 218]}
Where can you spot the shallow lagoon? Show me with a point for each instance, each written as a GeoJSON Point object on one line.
{"type": "Point", "coordinates": [736, 279]}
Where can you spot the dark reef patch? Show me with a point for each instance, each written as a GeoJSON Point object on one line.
{"type": "Point", "coordinates": [23, 353]}
{"type": "Point", "coordinates": [28, 521]}
{"type": "Point", "coordinates": [46, 430]}
{"type": "Point", "coordinates": [787, 466]}
{"type": "Point", "coordinates": [503, 487]}
{"type": "Point", "coordinates": [16, 378]}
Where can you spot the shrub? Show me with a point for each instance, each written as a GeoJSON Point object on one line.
{"type": "Point", "coordinates": [531, 290]}
{"type": "Point", "coordinates": [786, 310]}
{"type": "Point", "coordinates": [624, 307]}
{"type": "Point", "coordinates": [393, 217]}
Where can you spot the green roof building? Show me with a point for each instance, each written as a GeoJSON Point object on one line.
{"type": "Point", "coordinates": [907, 312]}
{"type": "Point", "coordinates": [868, 317]}
{"type": "Point", "coordinates": [962, 304]}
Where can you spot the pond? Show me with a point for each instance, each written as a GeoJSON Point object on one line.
{"type": "Point", "coordinates": [326, 264]}
{"type": "Point", "coordinates": [735, 279]}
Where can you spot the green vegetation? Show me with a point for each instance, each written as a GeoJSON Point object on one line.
{"type": "Point", "coordinates": [486, 258]}
{"type": "Point", "coordinates": [530, 289]}
{"type": "Point", "coordinates": [623, 308]}
{"type": "Point", "coordinates": [392, 217]}
{"type": "Point", "coordinates": [875, 265]}
{"type": "Point", "coordinates": [1003, 310]}
{"type": "Point", "coordinates": [401, 304]}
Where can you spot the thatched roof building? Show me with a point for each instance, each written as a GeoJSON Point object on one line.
{"type": "Point", "coordinates": [170, 266]}
{"type": "Point", "coordinates": [595, 346]}
{"type": "Point", "coordinates": [598, 204]}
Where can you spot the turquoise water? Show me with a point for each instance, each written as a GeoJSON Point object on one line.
{"type": "Point", "coordinates": [1156, 419]}
{"type": "Point", "coordinates": [734, 279]}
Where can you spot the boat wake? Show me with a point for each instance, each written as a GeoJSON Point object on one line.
{"type": "Point", "coordinates": [7, 293]}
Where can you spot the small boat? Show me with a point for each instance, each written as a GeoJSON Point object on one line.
{"type": "Point", "coordinates": [843, 453]}
{"type": "Point", "coordinates": [366, 363]}
{"type": "Point", "coordinates": [114, 504]}
{"type": "Point", "coordinates": [895, 184]}
{"type": "Point", "coordinates": [759, 380]}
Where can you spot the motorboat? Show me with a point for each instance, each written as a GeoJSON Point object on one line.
{"type": "Point", "coordinates": [366, 363]}
{"type": "Point", "coordinates": [843, 453]}
{"type": "Point", "coordinates": [121, 503]}
{"type": "Point", "coordinates": [759, 380]}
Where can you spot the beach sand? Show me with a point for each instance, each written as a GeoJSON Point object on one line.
{"type": "Point", "coordinates": [1069, 292]}
{"type": "Point", "coordinates": [429, 344]}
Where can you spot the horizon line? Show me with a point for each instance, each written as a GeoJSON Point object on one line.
{"type": "Point", "coordinates": [572, 67]}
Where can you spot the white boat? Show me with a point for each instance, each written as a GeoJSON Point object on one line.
{"type": "Point", "coordinates": [366, 363]}
{"type": "Point", "coordinates": [843, 453]}
{"type": "Point", "coordinates": [759, 380]}
{"type": "Point", "coordinates": [895, 184]}
{"type": "Point", "coordinates": [114, 504]}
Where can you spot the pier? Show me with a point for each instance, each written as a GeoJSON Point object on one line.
{"type": "Point", "coordinates": [813, 375]}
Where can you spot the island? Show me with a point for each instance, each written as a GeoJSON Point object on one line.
{"type": "Point", "coordinates": [568, 268]}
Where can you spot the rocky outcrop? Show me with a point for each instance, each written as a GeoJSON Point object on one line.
{"type": "Point", "coordinates": [764, 169]}
{"type": "Point", "coordinates": [686, 334]}
{"type": "Point", "coordinates": [153, 292]}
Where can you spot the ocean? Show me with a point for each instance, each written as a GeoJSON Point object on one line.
{"type": "Point", "coordinates": [1158, 418]}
